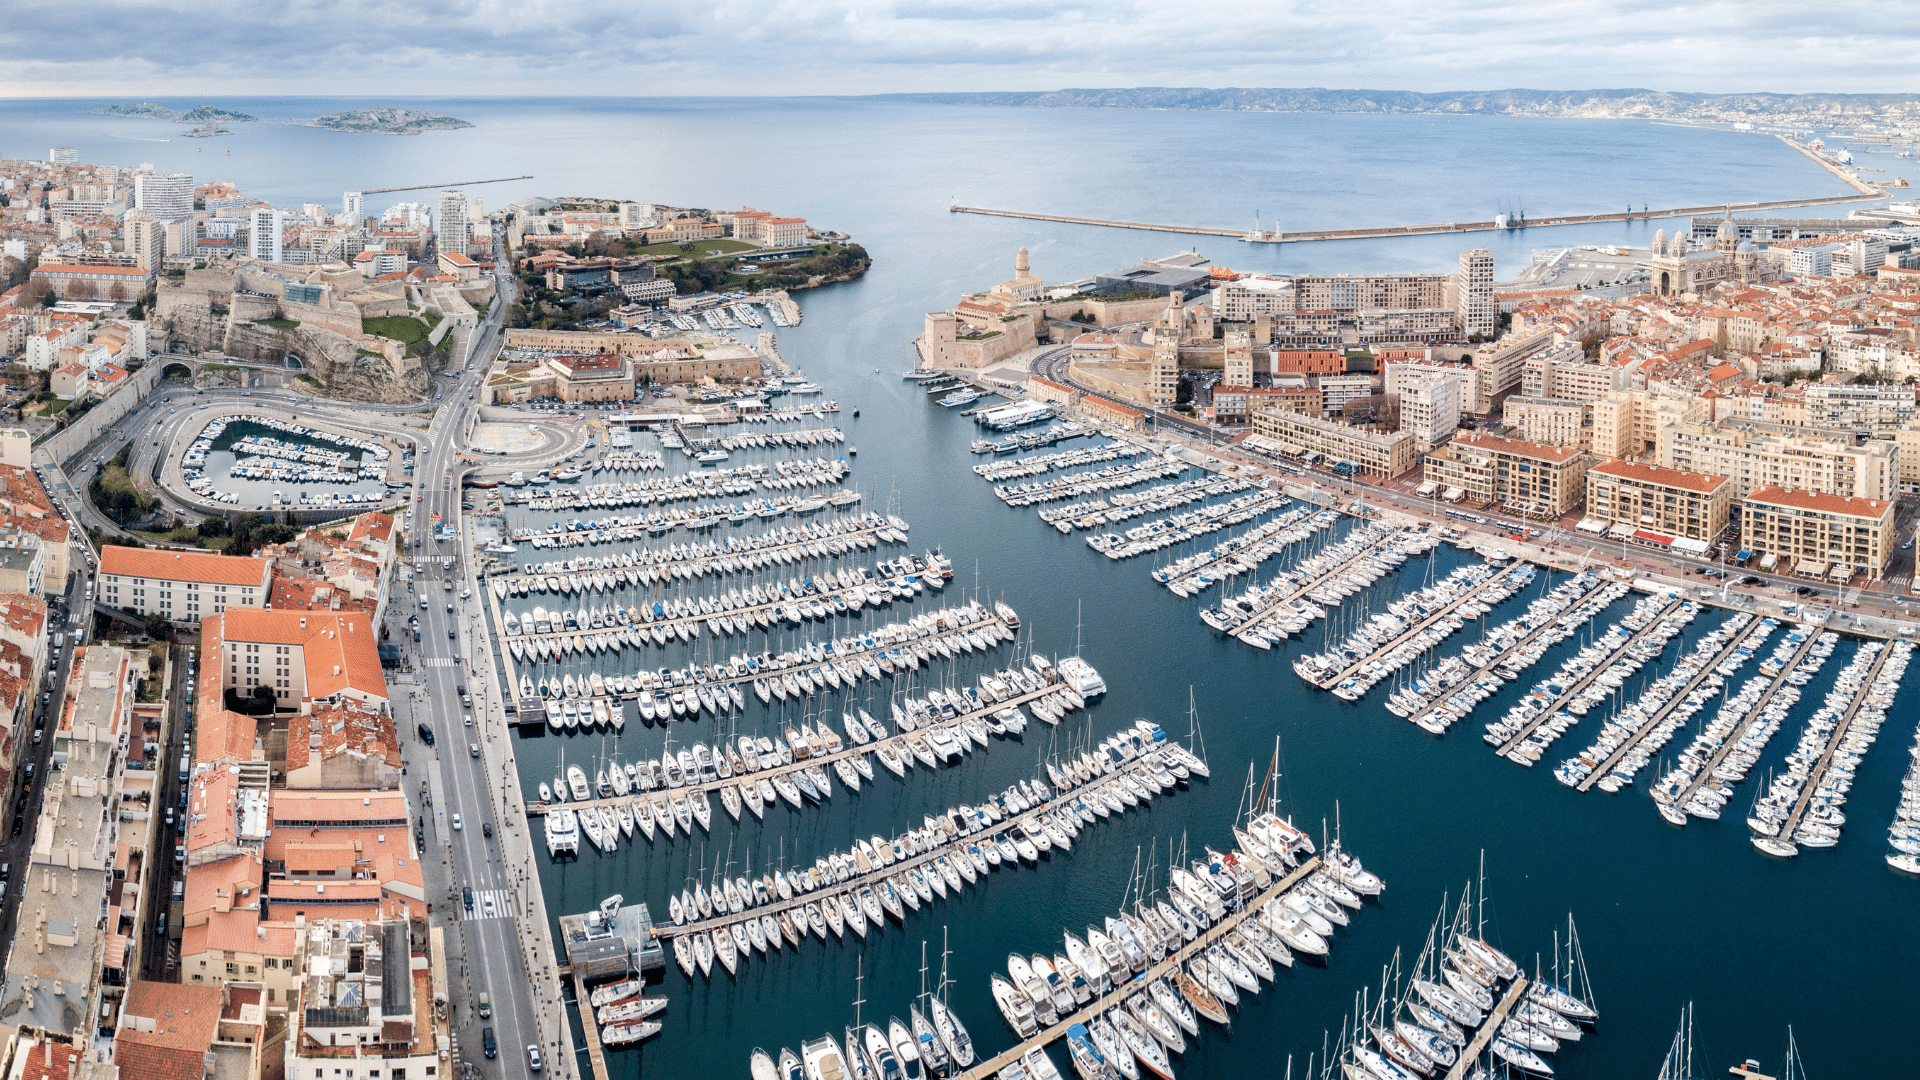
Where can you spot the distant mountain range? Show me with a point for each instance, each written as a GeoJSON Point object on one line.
{"type": "Point", "coordinates": [1650, 104]}
{"type": "Point", "coordinates": [384, 121]}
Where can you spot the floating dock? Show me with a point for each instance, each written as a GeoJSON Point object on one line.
{"type": "Point", "coordinates": [1840, 732]}
{"type": "Point", "coordinates": [1481, 672]}
{"type": "Point", "coordinates": [1410, 633]}
{"type": "Point", "coordinates": [1163, 968]}
{"type": "Point", "coordinates": [1490, 1028]}
{"type": "Point", "coordinates": [1600, 770]}
{"type": "Point", "coordinates": [1553, 707]}
{"type": "Point", "coordinates": [1754, 715]}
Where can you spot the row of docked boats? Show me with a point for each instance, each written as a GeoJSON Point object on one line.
{"type": "Point", "coordinates": [1633, 735]}
{"type": "Point", "coordinates": [686, 561]}
{"type": "Point", "coordinates": [794, 438]}
{"type": "Point", "coordinates": [1075, 485]}
{"type": "Point", "coordinates": [1194, 574]}
{"type": "Point", "coordinates": [1700, 781]}
{"type": "Point", "coordinates": [1265, 615]}
{"type": "Point", "coordinates": [629, 461]}
{"type": "Point", "coordinates": [622, 1010]}
{"type": "Point", "coordinates": [1452, 688]}
{"type": "Point", "coordinates": [1015, 468]}
{"type": "Point", "coordinates": [1903, 835]}
{"type": "Point", "coordinates": [1190, 525]}
{"type": "Point", "coordinates": [817, 667]}
{"type": "Point", "coordinates": [935, 1045]}
{"type": "Point", "coordinates": [1059, 431]}
{"type": "Point", "coordinates": [1127, 505]}
{"type": "Point", "coordinates": [845, 593]}
{"type": "Point", "coordinates": [785, 475]}
{"type": "Point", "coordinates": [624, 528]}
{"type": "Point", "coordinates": [860, 888]}
{"type": "Point", "coordinates": [1409, 628]}
{"type": "Point", "coordinates": [1588, 678]}
{"type": "Point", "coordinates": [1802, 804]}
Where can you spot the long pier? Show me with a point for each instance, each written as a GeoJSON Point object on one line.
{"type": "Point", "coordinates": [1159, 970]}
{"type": "Point", "coordinates": [1285, 604]}
{"type": "Point", "coordinates": [1754, 716]}
{"type": "Point", "coordinates": [1481, 672]}
{"type": "Point", "coordinates": [596, 1053]}
{"type": "Point", "coordinates": [1328, 682]}
{"type": "Point", "coordinates": [1754, 626]}
{"type": "Point", "coordinates": [1553, 707]}
{"type": "Point", "coordinates": [853, 885]}
{"type": "Point", "coordinates": [560, 540]}
{"type": "Point", "coordinates": [1840, 732]}
{"type": "Point", "coordinates": [1491, 1027]}
{"type": "Point", "coordinates": [709, 787]}
{"type": "Point", "coordinates": [1433, 229]}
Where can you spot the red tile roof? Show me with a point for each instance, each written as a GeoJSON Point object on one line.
{"type": "Point", "coordinates": [1825, 504]}
{"type": "Point", "coordinates": [1655, 474]}
{"type": "Point", "coordinates": [182, 566]}
{"type": "Point", "coordinates": [1519, 447]}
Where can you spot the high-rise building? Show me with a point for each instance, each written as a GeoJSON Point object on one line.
{"type": "Point", "coordinates": [266, 224]}
{"type": "Point", "coordinates": [146, 239]}
{"type": "Point", "coordinates": [450, 223]}
{"type": "Point", "coordinates": [1475, 307]}
{"type": "Point", "coordinates": [166, 196]}
{"type": "Point", "coordinates": [1430, 400]}
{"type": "Point", "coordinates": [1238, 366]}
{"type": "Point", "coordinates": [63, 155]}
{"type": "Point", "coordinates": [350, 205]}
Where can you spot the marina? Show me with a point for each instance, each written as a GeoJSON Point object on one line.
{"type": "Point", "coordinates": [1728, 746]}
{"type": "Point", "coordinates": [1666, 705]}
{"type": "Point", "coordinates": [1820, 770]}
{"type": "Point", "coordinates": [1410, 627]}
{"type": "Point", "coordinates": [1264, 616]}
{"type": "Point", "coordinates": [1585, 680]}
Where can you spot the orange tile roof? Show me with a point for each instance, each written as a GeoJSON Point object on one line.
{"type": "Point", "coordinates": [1656, 474]}
{"type": "Point", "coordinates": [1520, 447]}
{"type": "Point", "coordinates": [222, 886]}
{"type": "Point", "coordinates": [340, 648]}
{"type": "Point", "coordinates": [1825, 504]}
{"type": "Point", "coordinates": [185, 1018]}
{"type": "Point", "coordinates": [182, 566]}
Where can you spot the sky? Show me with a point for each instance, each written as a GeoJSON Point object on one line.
{"type": "Point", "coordinates": [781, 47]}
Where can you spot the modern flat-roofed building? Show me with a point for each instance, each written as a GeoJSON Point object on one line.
{"type": "Point", "coordinates": [1812, 534]}
{"type": "Point", "coordinates": [1755, 455]}
{"type": "Point", "coordinates": [1653, 499]}
{"type": "Point", "coordinates": [1554, 421]}
{"type": "Point", "coordinates": [1531, 479]}
{"type": "Point", "coordinates": [366, 997]}
{"type": "Point", "coordinates": [1345, 448]}
{"type": "Point", "coordinates": [181, 585]}
{"type": "Point", "coordinates": [94, 281]}
{"type": "Point", "coordinates": [1432, 400]}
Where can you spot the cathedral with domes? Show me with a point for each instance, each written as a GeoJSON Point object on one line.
{"type": "Point", "coordinates": [1677, 268]}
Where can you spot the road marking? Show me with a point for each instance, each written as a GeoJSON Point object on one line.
{"type": "Point", "coordinates": [502, 900]}
{"type": "Point", "coordinates": [440, 661]}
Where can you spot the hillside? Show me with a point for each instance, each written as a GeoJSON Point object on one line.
{"type": "Point", "coordinates": [388, 121]}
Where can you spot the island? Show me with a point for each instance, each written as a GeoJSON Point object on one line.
{"type": "Point", "coordinates": [387, 121]}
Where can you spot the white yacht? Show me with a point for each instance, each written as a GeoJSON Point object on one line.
{"type": "Point", "coordinates": [563, 832]}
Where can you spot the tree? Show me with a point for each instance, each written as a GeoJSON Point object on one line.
{"type": "Point", "coordinates": [159, 627]}
{"type": "Point", "coordinates": [263, 698]}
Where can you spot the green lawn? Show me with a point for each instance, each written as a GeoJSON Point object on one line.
{"type": "Point", "coordinates": [402, 328]}
{"type": "Point", "coordinates": [278, 324]}
{"type": "Point", "coordinates": [55, 406]}
{"type": "Point", "coordinates": [700, 247]}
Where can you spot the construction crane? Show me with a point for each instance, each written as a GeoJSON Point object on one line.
{"type": "Point", "coordinates": [455, 184]}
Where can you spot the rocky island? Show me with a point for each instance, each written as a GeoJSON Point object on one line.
{"type": "Point", "coordinates": [387, 121]}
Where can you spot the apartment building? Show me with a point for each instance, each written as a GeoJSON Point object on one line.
{"type": "Point", "coordinates": [1345, 448]}
{"type": "Point", "coordinates": [1754, 456]}
{"type": "Point", "coordinates": [1818, 535]}
{"type": "Point", "coordinates": [1553, 421]}
{"type": "Point", "coordinates": [1498, 368]}
{"type": "Point", "coordinates": [1528, 478]}
{"type": "Point", "coordinates": [1337, 390]}
{"type": "Point", "coordinates": [1247, 298]}
{"type": "Point", "coordinates": [1860, 407]}
{"type": "Point", "coordinates": [1653, 499]}
{"type": "Point", "coordinates": [310, 659]}
{"type": "Point", "coordinates": [366, 996]}
{"type": "Point", "coordinates": [181, 585]}
{"type": "Point", "coordinates": [1369, 292]}
{"type": "Point", "coordinates": [1473, 301]}
{"type": "Point", "coordinates": [1237, 404]}
{"type": "Point", "coordinates": [1430, 402]}
{"type": "Point", "coordinates": [1563, 372]}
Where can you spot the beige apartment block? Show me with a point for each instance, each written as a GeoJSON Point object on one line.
{"type": "Point", "coordinates": [1369, 454]}
{"type": "Point", "coordinates": [1660, 500]}
{"type": "Point", "coordinates": [1756, 456]}
{"type": "Point", "coordinates": [1553, 421]}
{"type": "Point", "coordinates": [1530, 478]}
{"type": "Point", "coordinates": [1810, 533]}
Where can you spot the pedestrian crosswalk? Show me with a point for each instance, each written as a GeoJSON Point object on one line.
{"type": "Point", "coordinates": [492, 904]}
{"type": "Point", "coordinates": [440, 661]}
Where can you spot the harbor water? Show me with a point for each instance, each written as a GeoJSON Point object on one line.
{"type": "Point", "coordinates": [1666, 915]}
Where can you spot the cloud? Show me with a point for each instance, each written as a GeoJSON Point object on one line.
{"type": "Point", "coordinates": [659, 47]}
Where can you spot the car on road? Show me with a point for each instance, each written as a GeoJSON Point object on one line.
{"type": "Point", "coordinates": [426, 733]}
{"type": "Point", "coordinates": [486, 828]}
{"type": "Point", "coordinates": [486, 1005]}
{"type": "Point", "coordinates": [487, 1044]}
{"type": "Point", "coordinates": [533, 1058]}
{"type": "Point", "coordinates": [473, 749]}
{"type": "Point", "coordinates": [1803, 591]}
{"type": "Point", "coordinates": [456, 823]}
{"type": "Point", "coordinates": [451, 634]}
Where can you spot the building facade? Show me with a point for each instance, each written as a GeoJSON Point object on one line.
{"type": "Point", "coordinates": [183, 586]}
{"type": "Point", "coordinates": [1753, 456]}
{"type": "Point", "coordinates": [1528, 478]}
{"type": "Point", "coordinates": [1553, 421]}
{"type": "Point", "coordinates": [1474, 305]}
{"type": "Point", "coordinates": [1360, 451]}
{"type": "Point", "coordinates": [1811, 533]}
{"type": "Point", "coordinates": [1659, 500]}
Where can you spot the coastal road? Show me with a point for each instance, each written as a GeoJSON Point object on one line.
{"type": "Point", "coordinates": [468, 770]}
